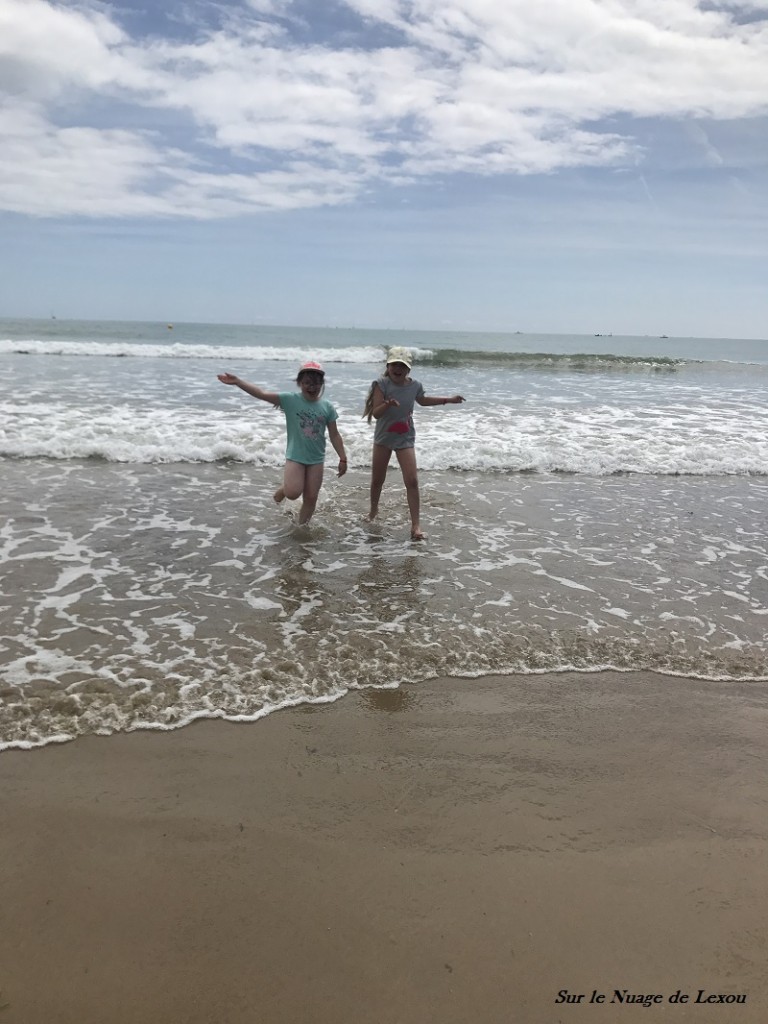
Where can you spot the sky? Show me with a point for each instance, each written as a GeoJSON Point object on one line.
{"type": "Point", "coordinates": [558, 166]}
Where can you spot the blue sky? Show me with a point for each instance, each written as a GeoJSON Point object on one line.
{"type": "Point", "coordinates": [573, 166]}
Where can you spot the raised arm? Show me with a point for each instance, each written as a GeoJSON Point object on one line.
{"type": "Point", "coordinates": [380, 403]}
{"type": "Point", "coordinates": [429, 400]}
{"type": "Point", "coordinates": [250, 389]}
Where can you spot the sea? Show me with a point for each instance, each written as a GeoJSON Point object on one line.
{"type": "Point", "coordinates": [598, 502]}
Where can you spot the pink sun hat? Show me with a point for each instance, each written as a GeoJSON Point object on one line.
{"type": "Point", "coordinates": [311, 366]}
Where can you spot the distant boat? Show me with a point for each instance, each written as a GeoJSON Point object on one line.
{"type": "Point", "coordinates": [169, 326]}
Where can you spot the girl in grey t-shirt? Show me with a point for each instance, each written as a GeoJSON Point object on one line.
{"type": "Point", "coordinates": [390, 402]}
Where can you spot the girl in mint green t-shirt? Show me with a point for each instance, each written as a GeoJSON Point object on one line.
{"type": "Point", "coordinates": [307, 417]}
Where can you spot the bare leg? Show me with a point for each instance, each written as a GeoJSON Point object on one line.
{"type": "Point", "coordinates": [313, 481]}
{"type": "Point", "coordinates": [293, 482]}
{"type": "Point", "coordinates": [407, 459]}
{"type": "Point", "coordinates": [379, 463]}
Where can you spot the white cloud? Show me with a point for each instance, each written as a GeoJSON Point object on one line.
{"type": "Point", "coordinates": [46, 49]}
{"type": "Point", "coordinates": [259, 121]}
{"type": "Point", "coordinates": [49, 171]}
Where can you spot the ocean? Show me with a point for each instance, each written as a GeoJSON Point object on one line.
{"type": "Point", "coordinates": [597, 503]}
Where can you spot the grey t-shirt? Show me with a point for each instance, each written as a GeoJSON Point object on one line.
{"type": "Point", "coordinates": [394, 428]}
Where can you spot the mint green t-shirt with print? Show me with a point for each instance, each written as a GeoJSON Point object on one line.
{"type": "Point", "coordinates": [306, 424]}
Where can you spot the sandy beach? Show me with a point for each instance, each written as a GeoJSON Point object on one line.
{"type": "Point", "coordinates": [455, 851]}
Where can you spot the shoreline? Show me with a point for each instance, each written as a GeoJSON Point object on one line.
{"type": "Point", "coordinates": [146, 595]}
{"type": "Point", "coordinates": [453, 850]}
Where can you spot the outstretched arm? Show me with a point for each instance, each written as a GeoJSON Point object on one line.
{"type": "Point", "coordinates": [429, 400]}
{"type": "Point", "coordinates": [250, 389]}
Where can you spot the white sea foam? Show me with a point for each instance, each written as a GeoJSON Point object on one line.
{"type": "Point", "coordinates": [221, 353]}
{"type": "Point", "coordinates": [599, 442]}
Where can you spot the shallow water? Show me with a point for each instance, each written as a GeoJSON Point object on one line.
{"type": "Point", "coordinates": [596, 502]}
{"type": "Point", "coordinates": [148, 595]}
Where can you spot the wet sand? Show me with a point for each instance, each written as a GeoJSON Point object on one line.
{"type": "Point", "coordinates": [455, 851]}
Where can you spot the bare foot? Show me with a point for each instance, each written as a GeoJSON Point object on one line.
{"type": "Point", "coordinates": [279, 495]}
{"type": "Point", "coordinates": [371, 515]}
{"type": "Point", "coordinates": [416, 534]}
